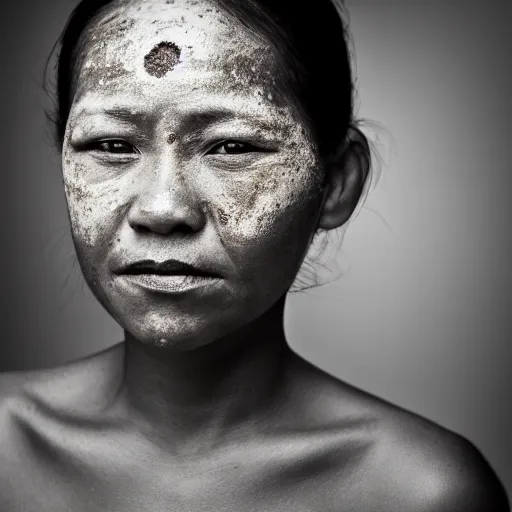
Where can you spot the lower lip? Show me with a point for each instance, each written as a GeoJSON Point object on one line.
{"type": "Point", "coordinates": [170, 283]}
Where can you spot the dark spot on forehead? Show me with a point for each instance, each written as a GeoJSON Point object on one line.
{"type": "Point", "coordinates": [162, 59]}
{"type": "Point", "coordinates": [171, 138]}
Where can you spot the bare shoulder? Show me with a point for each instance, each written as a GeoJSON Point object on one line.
{"type": "Point", "coordinates": [35, 408]}
{"type": "Point", "coordinates": [412, 463]}
{"type": "Point", "coordinates": [416, 465]}
{"type": "Point", "coordinates": [61, 384]}
{"type": "Point", "coordinates": [431, 468]}
{"type": "Point", "coordinates": [28, 396]}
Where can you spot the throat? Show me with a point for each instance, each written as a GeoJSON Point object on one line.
{"type": "Point", "coordinates": [200, 399]}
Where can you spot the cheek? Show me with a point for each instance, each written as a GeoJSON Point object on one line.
{"type": "Point", "coordinates": [94, 208]}
{"type": "Point", "coordinates": [275, 203]}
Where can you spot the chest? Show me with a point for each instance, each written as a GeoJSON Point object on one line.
{"type": "Point", "coordinates": [117, 478]}
{"type": "Point", "coordinates": [202, 490]}
{"type": "Point", "coordinates": [89, 469]}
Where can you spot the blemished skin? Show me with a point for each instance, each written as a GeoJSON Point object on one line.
{"type": "Point", "coordinates": [183, 142]}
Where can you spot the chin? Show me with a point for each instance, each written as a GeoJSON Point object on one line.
{"type": "Point", "coordinates": [172, 332]}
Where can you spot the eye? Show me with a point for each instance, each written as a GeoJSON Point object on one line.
{"type": "Point", "coordinates": [232, 147]}
{"type": "Point", "coordinates": [114, 146]}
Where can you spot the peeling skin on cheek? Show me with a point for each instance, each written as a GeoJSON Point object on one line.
{"type": "Point", "coordinates": [275, 198]}
{"type": "Point", "coordinates": [90, 205]}
{"type": "Point", "coordinates": [282, 191]}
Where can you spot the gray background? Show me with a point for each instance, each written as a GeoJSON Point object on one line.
{"type": "Point", "coordinates": [422, 314]}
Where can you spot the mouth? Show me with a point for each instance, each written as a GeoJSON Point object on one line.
{"type": "Point", "coordinates": [165, 268]}
{"type": "Point", "coordinates": [169, 277]}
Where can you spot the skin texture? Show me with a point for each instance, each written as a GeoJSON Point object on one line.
{"type": "Point", "coordinates": [204, 406]}
{"type": "Point", "coordinates": [233, 214]}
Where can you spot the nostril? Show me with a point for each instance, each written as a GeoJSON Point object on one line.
{"type": "Point", "coordinates": [140, 228]}
{"type": "Point", "coordinates": [184, 229]}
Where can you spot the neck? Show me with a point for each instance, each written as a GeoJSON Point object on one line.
{"type": "Point", "coordinates": [192, 401]}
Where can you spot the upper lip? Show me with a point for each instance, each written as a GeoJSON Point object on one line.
{"type": "Point", "coordinates": [167, 267]}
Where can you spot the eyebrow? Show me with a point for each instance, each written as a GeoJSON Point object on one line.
{"type": "Point", "coordinates": [191, 119]}
{"type": "Point", "coordinates": [117, 113]}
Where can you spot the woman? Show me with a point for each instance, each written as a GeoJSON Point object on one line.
{"type": "Point", "coordinates": [204, 144]}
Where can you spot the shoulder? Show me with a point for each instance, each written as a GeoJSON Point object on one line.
{"type": "Point", "coordinates": [13, 388]}
{"type": "Point", "coordinates": [420, 465]}
{"type": "Point", "coordinates": [61, 384]}
{"type": "Point", "coordinates": [37, 411]}
{"type": "Point", "coordinates": [83, 384]}
{"type": "Point", "coordinates": [16, 413]}
{"type": "Point", "coordinates": [410, 463]}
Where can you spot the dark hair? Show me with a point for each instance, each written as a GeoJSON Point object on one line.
{"type": "Point", "coordinates": [313, 39]}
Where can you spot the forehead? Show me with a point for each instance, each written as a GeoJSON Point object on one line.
{"type": "Point", "coordinates": [148, 42]}
{"type": "Point", "coordinates": [194, 25]}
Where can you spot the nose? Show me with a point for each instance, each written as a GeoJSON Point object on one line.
{"type": "Point", "coordinates": [166, 203]}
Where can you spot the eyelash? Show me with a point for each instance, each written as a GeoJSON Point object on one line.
{"type": "Point", "coordinates": [98, 146]}
{"type": "Point", "coordinates": [104, 145]}
{"type": "Point", "coordinates": [249, 148]}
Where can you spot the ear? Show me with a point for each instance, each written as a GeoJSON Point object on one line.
{"type": "Point", "coordinates": [345, 178]}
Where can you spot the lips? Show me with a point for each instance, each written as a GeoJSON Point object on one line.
{"type": "Point", "coordinates": [165, 268]}
{"type": "Point", "coordinates": [168, 277]}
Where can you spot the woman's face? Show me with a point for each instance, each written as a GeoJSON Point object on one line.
{"type": "Point", "coordinates": [182, 145]}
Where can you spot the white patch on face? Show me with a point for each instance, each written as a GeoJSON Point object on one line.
{"type": "Point", "coordinates": [91, 204]}
{"type": "Point", "coordinates": [250, 210]}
